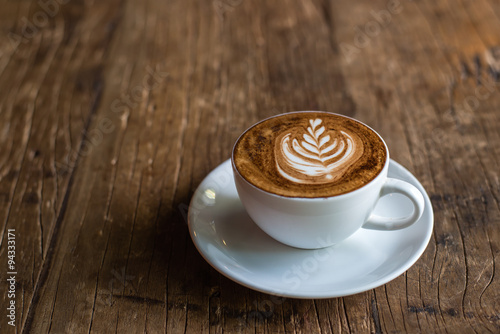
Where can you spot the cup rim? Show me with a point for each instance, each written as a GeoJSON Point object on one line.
{"type": "Point", "coordinates": [322, 198]}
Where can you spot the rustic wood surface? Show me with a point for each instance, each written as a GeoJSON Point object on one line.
{"type": "Point", "coordinates": [112, 112]}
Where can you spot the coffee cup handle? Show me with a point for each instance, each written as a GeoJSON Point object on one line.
{"type": "Point", "coordinates": [393, 186]}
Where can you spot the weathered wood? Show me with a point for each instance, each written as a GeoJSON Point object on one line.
{"type": "Point", "coordinates": [112, 113]}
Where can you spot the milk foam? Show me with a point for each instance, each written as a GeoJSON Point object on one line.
{"type": "Point", "coordinates": [309, 154]}
{"type": "Point", "coordinates": [316, 155]}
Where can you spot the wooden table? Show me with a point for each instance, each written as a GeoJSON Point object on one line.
{"type": "Point", "coordinates": [112, 113]}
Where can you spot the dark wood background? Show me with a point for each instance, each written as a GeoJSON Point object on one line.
{"type": "Point", "coordinates": [112, 112]}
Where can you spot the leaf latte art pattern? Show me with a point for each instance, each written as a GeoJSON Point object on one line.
{"type": "Point", "coordinates": [316, 155]}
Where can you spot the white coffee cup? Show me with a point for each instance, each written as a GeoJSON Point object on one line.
{"type": "Point", "coordinates": [312, 223]}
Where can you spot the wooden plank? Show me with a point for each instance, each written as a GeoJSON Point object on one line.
{"type": "Point", "coordinates": [50, 93]}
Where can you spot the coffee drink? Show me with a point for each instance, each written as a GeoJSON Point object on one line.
{"type": "Point", "coordinates": [311, 179]}
{"type": "Point", "coordinates": [309, 154]}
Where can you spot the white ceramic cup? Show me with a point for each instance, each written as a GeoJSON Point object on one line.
{"type": "Point", "coordinates": [313, 223]}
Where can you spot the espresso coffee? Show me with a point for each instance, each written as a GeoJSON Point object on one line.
{"type": "Point", "coordinates": [309, 154]}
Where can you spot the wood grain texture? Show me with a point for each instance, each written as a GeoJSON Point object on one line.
{"type": "Point", "coordinates": [112, 113]}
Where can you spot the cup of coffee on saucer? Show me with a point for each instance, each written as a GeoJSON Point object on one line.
{"type": "Point", "coordinates": [311, 179]}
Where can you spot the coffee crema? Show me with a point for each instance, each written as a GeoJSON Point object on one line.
{"type": "Point", "coordinates": [309, 154]}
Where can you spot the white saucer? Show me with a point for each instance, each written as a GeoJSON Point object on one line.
{"type": "Point", "coordinates": [229, 240]}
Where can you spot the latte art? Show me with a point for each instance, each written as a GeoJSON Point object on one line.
{"type": "Point", "coordinates": [320, 156]}
{"type": "Point", "coordinates": [309, 154]}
